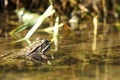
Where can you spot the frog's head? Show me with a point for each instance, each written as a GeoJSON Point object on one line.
{"type": "Point", "coordinates": [45, 46]}
{"type": "Point", "coordinates": [37, 51]}
{"type": "Point", "coordinates": [20, 12]}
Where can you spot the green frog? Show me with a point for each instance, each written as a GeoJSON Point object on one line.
{"type": "Point", "coordinates": [36, 52]}
{"type": "Point", "coordinates": [26, 18]}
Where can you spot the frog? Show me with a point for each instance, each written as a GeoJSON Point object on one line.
{"type": "Point", "coordinates": [26, 19]}
{"type": "Point", "coordinates": [36, 52]}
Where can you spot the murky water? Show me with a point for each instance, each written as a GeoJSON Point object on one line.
{"type": "Point", "coordinates": [71, 61]}
{"type": "Point", "coordinates": [66, 65]}
{"type": "Point", "coordinates": [81, 71]}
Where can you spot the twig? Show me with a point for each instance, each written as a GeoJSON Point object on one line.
{"type": "Point", "coordinates": [47, 13]}
{"type": "Point", "coordinates": [95, 21]}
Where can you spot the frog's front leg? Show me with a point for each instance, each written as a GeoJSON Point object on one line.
{"type": "Point", "coordinates": [36, 57]}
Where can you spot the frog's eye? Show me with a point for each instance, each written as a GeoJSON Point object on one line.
{"type": "Point", "coordinates": [46, 42]}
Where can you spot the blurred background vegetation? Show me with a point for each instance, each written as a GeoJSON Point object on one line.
{"type": "Point", "coordinates": [88, 31]}
{"type": "Point", "coordinates": [71, 12]}
{"type": "Point", "coordinates": [84, 20]}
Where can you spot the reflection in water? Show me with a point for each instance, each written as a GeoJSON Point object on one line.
{"type": "Point", "coordinates": [95, 72]}
{"type": "Point", "coordinates": [77, 48]}
{"type": "Point", "coordinates": [82, 71]}
{"type": "Point", "coordinates": [65, 70]}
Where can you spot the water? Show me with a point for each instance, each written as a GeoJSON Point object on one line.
{"type": "Point", "coordinates": [71, 61]}
{"type": "Point", "coordinates": [66, 65]}
{"type": "Point", "coordinates": [81, 71]}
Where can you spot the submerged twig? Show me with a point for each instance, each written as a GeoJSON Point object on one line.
{"type": "Point", "coordinates": [55, 33]}
{"type": "Point", "coordinates": [95, 23]}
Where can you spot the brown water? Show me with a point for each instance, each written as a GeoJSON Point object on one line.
{"type": "Point", "coordinates": [81, 71]}
{"type": "Point", "coordinates": [71, 61]}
